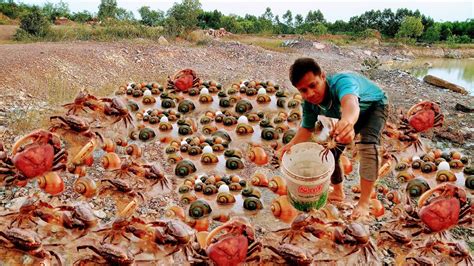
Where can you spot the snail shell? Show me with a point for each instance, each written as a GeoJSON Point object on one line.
{"type": "Point", "coordinates": [168, 103]}
{"type": "Point", "coordinates": [265, 123]}
{"type": "Point", "coordinates": [111, 161]}
{"type": "Point", "coordinates": [188, 198]}
{"type": "Point", "coordinates": [193, 91]}
{"type": "Point", "coordinates": [456, 164]}
{"type": "Point", "coordinates": [85, 186]}
{"type": "Point", "coordinates": [199, 208]}
{"type": "Point", "coordinates": [146, 134]}
{"type": "Point", "coordinates": [148, 99]}
{"type": "Point", "coordinates": [234, 163]}
{"type": "Point", "coordinates": [393, 196]}
{"type": "Point", "coordinates": [234, 186]}
{"type": "Point", "coordinates": [121, 141]}
{"type": "Point", "coordinates": [243, 129]}
{"type": "Point", "coordinates": [218, 147]}
{"type": "Point", "coordinates": [184, 168]}
{"type": "Point", "coordinates": [209, 190]}
{"type": "Point", "coordinates": [445, 176]}
{"type": "Point", "coordinates": [404, 176]}
{"type": "Point", "coordinates": [134, 150]}
{"type": "Point", "coordinates": [402, 166]}
{"type": "Point", "coordinates": [380, 188]}
{"type": "Point", "coordinates": [208, 129]}
{"type": "Point", "coordinates": [251, 192]}
{"type": "Point", "coordinates": [283, 210]}
{"type": "Point", "coordinates": [281, 102]}
{"type": "Point", "coordinates": [186, 106]}
{"type": "Point", "coordinates": [108, 145]}
{"type": "Point", "coordinates": [263, 98]}
{"type": "Point", "coordinates": [205, 120]}
{"type": "Point", "coordinates": [233, 153]}
{"type": "Point", "coordinates": [288, 136]}
{"type": "Point", "coordinates": [243, 106]}
{"type": "Point", "coordinates": [194, 150]}
{"type": "Point", "coordinates": [259, 180]}
{"type": "Point", "coordinates": [223, 135]}
{"type": "Point", "coordinates": [469, 183]}
{"type": "Point", "coordinates": [277, 185]}
{"type": "Point", "coordinates": [184, 189]}
{"type": "Point", "coordinates": [376, 208]}
{"type": "Point", "coordinates": [428, 167]}
{"type": "Point", "coordinates": [293, 103]}
{"type": "Point", "coordinates": [225, 102]}
{"type": "Point", "coordinates": [185, 130]}
{"type": "Point", "coordinates": [416, 187]}
{"type": "Point", "coordinates": [51, 183]}
{"type": "Point", "coordinates": [209, 158]}
{"type": "Point", "coordinates": [294, 116]}
{"type": "Point", "coordinates": [281, 128]}
{"type": "Point", "coordinates": [165, 126]}
{"type": "Point", "coordinates": [269, 134]}
{"type": "Point", "coordinates": [175, 212]}
{"type": "Point", "coordinates": [416, 164]}
{"type": "Point", "coordinates": [258, 155]}
{"type": "Point", "coordinates": [225, 198]}
{"type": "Point", "coordinates": [200, 225]}
{"type": "Point", "coordinates": [229, 121]}
{"type": "Point", "coordinates": [205, 98]}
{"type": "Point", "coordinates": [252, 204]}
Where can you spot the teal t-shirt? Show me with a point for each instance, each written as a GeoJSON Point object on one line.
{"type": "Point", "coordinates": [341, 84]}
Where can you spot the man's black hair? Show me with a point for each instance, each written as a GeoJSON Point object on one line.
{"type": "Point", "coordinates": [301, 66]}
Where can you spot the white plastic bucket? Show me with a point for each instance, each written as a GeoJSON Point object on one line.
{"type": "Point", "coordinates": [307, 175]}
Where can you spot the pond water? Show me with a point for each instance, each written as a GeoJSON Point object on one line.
{"type": "Point", "coordinates": [457, 71]}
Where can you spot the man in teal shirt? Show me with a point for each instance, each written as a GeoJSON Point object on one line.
{"type": "Point", "coordinates": [361, 107]}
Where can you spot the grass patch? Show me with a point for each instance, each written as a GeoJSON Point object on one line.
{"type": "Point", "coordinates": [84, 32]}
{"type": "Point", "coordinates": [23, 121]}
{"type": "Point", "coordinates": [263, 41]}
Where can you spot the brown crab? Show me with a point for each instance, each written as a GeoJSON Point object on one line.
{"type": "Point", "coordinates": [171, 232]}
{"type": "Point", "coordinates": [155, 174]}
{"type": "Point", "coordinates": [26, 213]}
{"type": "Point", "coordinates": [114, 107]}
{"type": "Point", "coordinates": [293, 255]}
{"type": "Point", "coordinates": [122, 187]}
{"type": "Point", "coordinates": [80, 103]}
{"type": "Point", "coordinates": [74, 123]}
{"type": "Point", "coordinates": [108, 254]}
{"type": "Point", "coordinates": [118, 228]}
{"type": "Point", "coordinates": [27, 241]}
{"type": "Point", "coordinates": [300, 225]}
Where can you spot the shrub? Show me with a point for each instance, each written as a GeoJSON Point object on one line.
{"type": "Point", "coordinates": [35, 23]}
{"type": "Point", "coordinates": [319, 29]}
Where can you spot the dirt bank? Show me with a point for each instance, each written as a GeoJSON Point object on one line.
{"type": "Point", "coordinates": [38, 77]}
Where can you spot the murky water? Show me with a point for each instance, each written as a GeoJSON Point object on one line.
{"type": "Point", "coordinates": [457, 71]}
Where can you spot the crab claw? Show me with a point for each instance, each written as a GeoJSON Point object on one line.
{"type": "Point", "coordinates": [447, 190]}
{"type": "Point", "coordinates": [40, 136]}
{"type": "Point", "coordinates": [424, 116]}
{"type": "Point", "coordinates": [85, 152]}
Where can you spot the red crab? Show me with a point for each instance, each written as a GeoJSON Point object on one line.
{"type": "Point", "coordinates": [444, 210]}
{"type": "Point", "coordinates": [235, 246]}
{"type": "Point", "coordinates": [420, 118]}
{"type": "Point", "coordinates": [183, 80]}
{"type": "Point", "coordinates": [42, 155]}
{"type": "Point", "coordinates": [81, 101]}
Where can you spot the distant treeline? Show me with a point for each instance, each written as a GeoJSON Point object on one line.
{"type": "Point", "coordinates": [188, 15]}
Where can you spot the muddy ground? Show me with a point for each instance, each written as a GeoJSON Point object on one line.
{"type": "Point", "coordinates": [36, 78]}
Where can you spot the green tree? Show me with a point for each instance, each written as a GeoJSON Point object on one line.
{"type": "Point", "coordinates": [446, 31]}
{"type": "Point", "coordinates": [230, 23]}
{"type": "Point", "coordinates": [82, 16]}
{"type": "Point", "coordinates": [288, 18]}
{"type": "Point", "coordinates": [266, 21]}
{"type": "Point", "coordinates": [183, 17]}
{"type": "Point", "coordinates": [34, 23]}
{"type": "Point", "coordinates": [52, 11]}
{"type": "Point", "coordinates": [318, 29]}
{"type": "Point", "coordinates": [432, 34]}
{"type": "Point", "coordinates": [107, 9]}
{"type": "Point", "coordinates": [210, 19]}
{"type": "Point", "coordinates": [314, 17]}
{"type": "Point", "coordinates": [299, 22]}
{"type": "Point", "coordinates": [411, 27]}
{"type": "Point", "coordinates": [124, 15]}
{"type": "Point", "coordinates": [151, 17]}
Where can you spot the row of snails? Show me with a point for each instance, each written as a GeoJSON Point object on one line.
{"type": "Point", "coordinates": [441, 162]}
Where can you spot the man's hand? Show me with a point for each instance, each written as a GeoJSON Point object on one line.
{"type": "Point", "coordinates": [284, 149]}
{"type": "Point", "coordinates": [343, 132]}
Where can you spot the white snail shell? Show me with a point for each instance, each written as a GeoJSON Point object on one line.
{"type": "Point", "coordinates": [414, 158]}
{"type": "Point", "coordinates": [204, 91]}
{"type": "Point", "coordinates": [207, 149]}
{"type": "Point", "coordinates": [147, 93]}
{"type": "Point", "coordinates": [262, 91]}
{"type": "Point", "coordinates": [164, 119]}
{"type": "Point", "coordinates": [224, 188]}
{"type": "Point", "coordinates": [218, 112]}
{"type": "Point", "coordinates": [243, 119]}
{"type": "Point", "coordinates": [443, 166]}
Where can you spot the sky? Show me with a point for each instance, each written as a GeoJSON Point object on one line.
{"type": "Point", "coordinates": [439, 10]}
